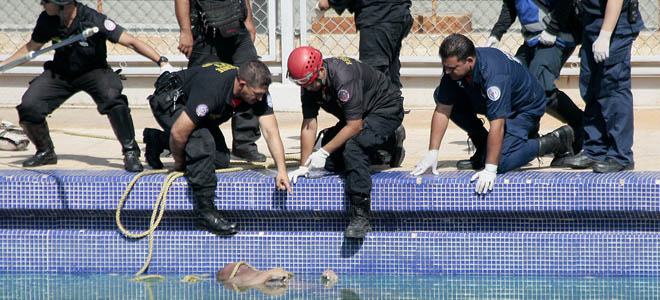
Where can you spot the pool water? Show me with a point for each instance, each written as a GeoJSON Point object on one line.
{"type": "Point", "coordinates": [97, 286]}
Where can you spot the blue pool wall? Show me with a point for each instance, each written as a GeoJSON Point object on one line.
{"type": "Point", "coordinates": [533, 223]}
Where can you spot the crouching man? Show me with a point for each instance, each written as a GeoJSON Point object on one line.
{"type": "Point", "coordinates": [190, 105]}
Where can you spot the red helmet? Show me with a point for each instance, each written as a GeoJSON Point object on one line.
{"type": "Point", "coordinates": [304, 65]}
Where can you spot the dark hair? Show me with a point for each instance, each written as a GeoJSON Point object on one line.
{"type": "Point", "coordinates": [255, 73]}
{"type": "Point", "coordinates": [457, 45]}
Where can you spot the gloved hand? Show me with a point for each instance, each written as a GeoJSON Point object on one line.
{"type": "Point", "coordinates": [601, 47]}
{"type": "Point", "coordinates": [166, 68]}
{"type": "Point", "coordinates": [317, 159]}
{"type": "Point", "coordinates": [492, 42]}
{"type": "Point", "coordinates": [485, 179]}
{"type": "Point", "coordinates": [430, 160]}
{"type": "Point", "coordinates": [317, 13]}
{"type": "Point", "coordinates": [301, 171]}
{"type": "Point", "coordinates": [547, 38]}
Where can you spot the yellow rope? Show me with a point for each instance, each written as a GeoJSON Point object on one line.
{"type": "Point", "coordinates": [159, 206]}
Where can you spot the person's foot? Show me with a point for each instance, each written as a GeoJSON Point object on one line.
{"type": "Point", "coordinates": [561, 160]}
{"type": "Point", "coordinates": [132, 161]}
{"type": "Point", "coordinates": [580, 161]}
{"type": "Point", "coordinates": [476, 162]}
{"type": "Point", "coordinates": [153, 148]}
{"type": "Point", "coordinates": [398, 153]}
{"type": "Point", "coordinates": [47, 157]}
{"type": "Point", "coordinates": [610, 165]}
{"type": "Point", "coordinates": [213, 222]}
{"type": "Point", "coordinates": [249, 155]}
{"type": "Point", "coordinates": [357, 228]}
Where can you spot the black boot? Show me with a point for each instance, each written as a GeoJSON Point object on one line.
{"type": "Point", "coordinates": [210, 219]}
{"type": "Point", "coordinates": [562, 108]}
{"type": "Point", "coordinates": [358, 225]}
{"type": "Point", "coordinates": [40, 136]}
{"type": "Point", "coordinates": [580, 161]}
{"type": "Point", "coordinates": [557, 142]}
{"type": "Point", "coordinates": [478, 160]}
{"type": "Point", "coordinates": [122, 125]}
{"type": "Point", "coordinates": [156, 141]}
{"type": "Point", "coordinates": [395, 147]}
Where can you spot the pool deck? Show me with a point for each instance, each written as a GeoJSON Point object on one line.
{"type": "Point", "coordinates": [88, 153]}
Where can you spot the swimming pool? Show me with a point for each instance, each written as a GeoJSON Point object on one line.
{"type": "Point", "coordinates": [304, 286]}
{"type": "Point", "coordinates": [540, 235]}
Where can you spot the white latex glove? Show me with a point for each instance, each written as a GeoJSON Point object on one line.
{"type": "Point", "coordinates": [601, 47]}
{"type": "Point", "coordinates": [301, 171]}
{"type": "Point", "coordinates": [547, 38]}
{"type": "Point", "coordinates": [485, 179]}
{"type": "Point", "coordinates": [167, 68]}
{"type": "Point", "coordinates": [430, 160]}
{"type": "Point", "coordinates": [317, 159]}
{"type": "Point", "coordinates": [317, 13]}
{"type": "Point", "coordinates": [492, 42]}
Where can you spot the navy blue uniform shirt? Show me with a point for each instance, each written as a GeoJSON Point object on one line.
{"type": "Point", "coordinates": [500, 86]}
{"type": "Point", "coordinates": [80, 57]}
{"type": "Point", "coordinates": [352, 91]}
{"type": "Point", "coordinates": [209, 95]}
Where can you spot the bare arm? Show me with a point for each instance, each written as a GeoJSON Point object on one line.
{"type": "Point", "coordinates": [249, 22]}
{"type": "Point", "coordinates": [352, 128]}
{"type": "Point", "coordinates": [182, 12]}
{"type": "Point", "coordinates": [268, 125]}
{"type": "Point", "coordinates": [612, 12]}
{"type": "Point", "coordinates": [439, 124]}
{"type": "Point", "coordinates": [307, 137]}
{"type": "Point", "coordinates": [30, 46]}
{"type": "Point", "coordinates": [181, 130]}
{"type": "Point", "coordinates": [495, 137]}
{"type": "Point", "coordinates": [324, 4]}
{"type": "Point", "coordinates": [129, 41]}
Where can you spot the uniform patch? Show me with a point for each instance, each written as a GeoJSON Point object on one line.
{"type": "Point", "coordinates": [493, 93]}
{"type": "Point", "coordinates": [201, 110]}
{"type": "Point", "coordinates": [109, 25]}
{"type": "Point", "coordinates": [269, 101]}
{"type": "Point", "coordinates": [343, 95]}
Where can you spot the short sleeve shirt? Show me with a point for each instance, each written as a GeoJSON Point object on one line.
{"type": "Point", "coordinates": [352, 91]}
{"type": "Point", "coordinates": [82, 56]}
{"type": "Point", "coordinates": [500, 87]}
{"type": "Point", "coordinates": [208, 91]}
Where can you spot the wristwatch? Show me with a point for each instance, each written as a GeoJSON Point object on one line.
{"type": "Point", "coordinates": [161, 60]}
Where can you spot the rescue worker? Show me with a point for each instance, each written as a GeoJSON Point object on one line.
{"type": "Point", "coordinates": [610, 27]}
{"type": "Point", "coordinates": [491, 82]}
{"type": "Point", "coordinates": [382, 24]}
{"type": "Point", "coordinates": [550, 33]}
{"type": "Point", "coordinates": [370, 111]}
{"type": "Point", "coordinates": [79, 66]}
{"type": "Point", "coordinates": [204, 45]}
{"type": "Point", "coordinates": [190, 105]}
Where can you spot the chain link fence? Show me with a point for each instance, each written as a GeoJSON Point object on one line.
{"type": "Point", "coordinates": [154, 22]}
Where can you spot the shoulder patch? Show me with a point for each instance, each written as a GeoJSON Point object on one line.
{"type": "Point", "coordinates": [201, 110]}
{"type": "Point", "coordinates": [493, 93]}
{"type": "Point", "coordinates": [109, 25]}
{"type": "Point", "coordinates": [269, 100]}
{"type": "Point", "coordinates": [343, 95]}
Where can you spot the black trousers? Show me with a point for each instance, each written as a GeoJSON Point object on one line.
{"type": "Point", "coordinates": [236, 50]}
{"type": "Point", "coordinates": [205, 151]}
{"type": "Point", "coordinates": [380, 47]}
{"type": "Point", "coordinates": [49, 90]}
{"type": "Point", "coordinates": [353, 157]}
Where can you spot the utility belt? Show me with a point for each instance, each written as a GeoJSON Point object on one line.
{"type": "Point", "coordinates": [221, 18]}
{"type": "Point", "coordinates": [168, 93]}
